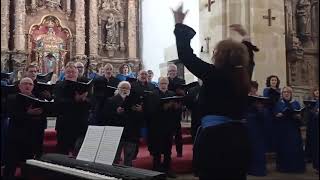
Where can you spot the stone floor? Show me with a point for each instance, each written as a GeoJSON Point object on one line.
{"type": "Point", "coordinates": [310, 174]}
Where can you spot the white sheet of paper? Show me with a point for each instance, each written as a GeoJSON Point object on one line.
{"type": "Point", "coordinates": [90, 145]}
{"type": "Point", "coordinates": [109, 145]}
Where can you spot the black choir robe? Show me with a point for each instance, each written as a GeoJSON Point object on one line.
{"type": "Point", "coordinates": [161, 125]}
{"type": "Point", "coordinates": [101, 93]}
{"type": "Point", "coordinates": [72, 120]}
{"type": "Point", "coordinates": [25, 133]}
{"type": "Point", "coordinates": [288, 139]}
{"type": "Point", "coordinates": [222, 147]}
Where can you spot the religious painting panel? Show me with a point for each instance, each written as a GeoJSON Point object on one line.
{"type": "Point", "coordinates": [49, 45]}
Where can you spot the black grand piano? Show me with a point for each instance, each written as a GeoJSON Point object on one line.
{"type": "Point", "coordinates": [59, 166]}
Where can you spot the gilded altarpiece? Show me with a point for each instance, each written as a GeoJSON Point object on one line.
{"type": "Point", "coordinates": [53, 32]}
{"type": "Point", "coordinates": [49, 45]}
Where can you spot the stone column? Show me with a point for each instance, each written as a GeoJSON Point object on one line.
{"type": "Point", "coordinates": [19, 32]}
{"type": "Point", "coordinates": [4, 25]}
{"type": "Point", "coordinates": [93, 28]}
{"type": "Point", "coordinates": [132, 29]}
{"type": "Point", "coordinates": [68, 2]}
{"type": "Point", "coordinates": [122, 46]}
{"type": "Point", "coordinates": [80, 28]}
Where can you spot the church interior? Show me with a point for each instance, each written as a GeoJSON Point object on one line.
{"type": "Point", "coordinates": [97, 34]}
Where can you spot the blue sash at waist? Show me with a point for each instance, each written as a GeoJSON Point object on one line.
{"type": "Point", "coordinates": [214, 120]}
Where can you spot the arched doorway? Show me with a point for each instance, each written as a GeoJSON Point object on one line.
{"type": "Point", "coordinates": [50, 45]}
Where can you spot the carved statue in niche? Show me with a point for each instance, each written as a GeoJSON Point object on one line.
{"type": "Point", "coordinates": [50, 4]}
{"type": "Point", "coordinates": [111, 4]}
{"type": "Point", "coordinates": [304, 18]}
{"type": "Point", "coordinates": [111, 30]}
{"type": "Point", "coordinates": [297, 48]}
{"type": "Point", "coordinates": [50, 63]}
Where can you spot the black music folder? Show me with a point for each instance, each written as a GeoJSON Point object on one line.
{"type": "Point", "coordinates": [47, 106]}
{"type": "Point", "coordinates": [44, 77]}
{"type": "Point", "coordinates": [8, 89]}
{"type": "Point", "coordinates": [45, 86]}
{"type": "Point", "coordinates": [131, 79]}
{"type": "Point", "coordinates": [6, 75]}
{"type": "Point", "coordinates": [309, 103]}
{"type": "Point", "coordinates": [287, 111]}
{"type": "Point", "coordinates": [172, 99]}
{"type": "Point", "coordinates": [188, 86]}
{"type": "Point", "coordinates": [258, 99]}
{"type": "Point", "coordinates": [77, 86]}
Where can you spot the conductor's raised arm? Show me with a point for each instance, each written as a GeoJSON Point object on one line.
{"type": "Point", "coordinates": [184, 34]}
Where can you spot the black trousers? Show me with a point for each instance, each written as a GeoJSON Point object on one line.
{"type": "Point", "coordinates": [165, 149]}
{"type": "Point", "coordinates": [18, 150]}
{"type": "Point", "coordinates": [178, 139]}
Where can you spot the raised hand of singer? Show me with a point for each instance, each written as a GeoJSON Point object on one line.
{"type": "Point", "coordinates": [137, 108]}
{"type": "Point", "coordinates": [120, 110]}
{"type": "Point", "coordinates": [79, 97]}
{"type": "Point", "coordinates": [34, 111]}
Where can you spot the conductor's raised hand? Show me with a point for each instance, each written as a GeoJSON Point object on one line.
{"type": "Point", "coordinates": [238, 28]}
{"type": "Point", "coordinates": [179, 15]}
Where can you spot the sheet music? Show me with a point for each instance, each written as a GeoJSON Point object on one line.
{"type": "Point", "coordinates": [109, 145]}
{"type": "Point", "coordinates": [90, 145]}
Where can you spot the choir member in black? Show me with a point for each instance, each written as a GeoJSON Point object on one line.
{"type": "Point", "coordinates": [23, 133]}
{"type": "Point", "coordinates": [102, 91]}
{"type": "Point", "coordinates": [140, 91]}
{"type": "Point", "coordinates": [82, 77]}
{"type": "Point", "coordinates": [273, 92]}
{"type": "Point", "coordinates": [312, 133]}
{"type": "Point", "coordinates": [174, 85]}
{"type": "Point", "coordinates": [161, 128]}
{"type": "Point", "coordinates": [73, 111]}
{"type": "Point", "coordinates": [255, 122]}
{"type": "Point", "coordinates": [288, 139]}
{"type": "Point", "coordinates": [6, 90]}
{"type": "Point", "coordinates": [191, 102]}
{"type": "Point", "coordinates": [221, 149]}
{"type": "Point", "coordinates": [31, 71]}
{"type": "Point", "coordinates": [247, 42]}
{"type": "Point", "coordinates": [122, 111]}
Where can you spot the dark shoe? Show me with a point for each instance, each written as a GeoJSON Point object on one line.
{"type": "Point", "coordinates": [171, 174]}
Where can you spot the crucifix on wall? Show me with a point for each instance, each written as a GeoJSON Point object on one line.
{"type": "Point", "coordinates": [207, 39]}
{"type": "Point", "coordinates": [269, 17]}
{"type": "Point", "coordinates": [210, 2]}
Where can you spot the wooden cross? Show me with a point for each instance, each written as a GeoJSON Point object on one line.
{"type": "Point", "coordinates": [207, 39]}
{"type": "Point", "coordinates": [210, 2]}
{"type": "Point", "coordinates": [269, 17]}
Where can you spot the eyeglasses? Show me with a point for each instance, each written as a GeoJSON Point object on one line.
{"type": "Point", "coordinates": [79, 67]}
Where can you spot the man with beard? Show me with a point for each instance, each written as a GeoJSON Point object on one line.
{"type": "Point", "coordinates": [120, 111]}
